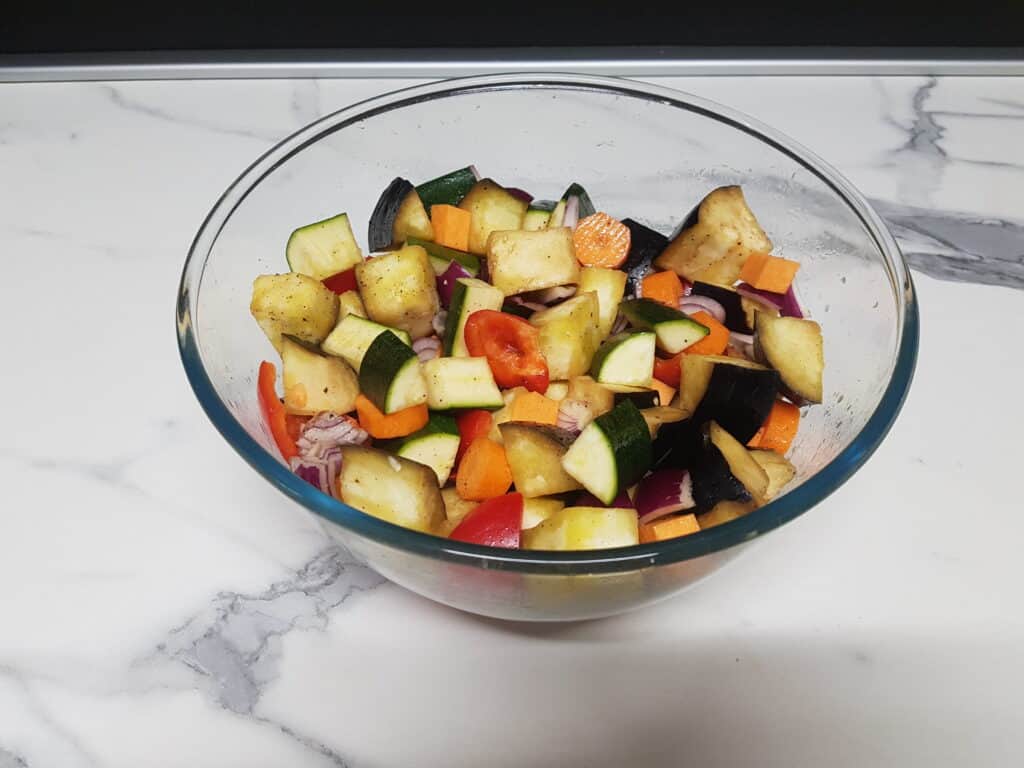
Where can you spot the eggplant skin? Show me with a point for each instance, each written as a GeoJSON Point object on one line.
{"type": "Point", "coordinates": [713, 481]}
{"type": "Point", "coordinates": [732, 303]}
{"type": "Point", "coordinates": [739, 399]}
{"type": "Point", "coordinates": [382, 220]}
{"type": "Point", "coordinates": [677, 445]}
{"type": "Point", "coordinates": [645, 245]}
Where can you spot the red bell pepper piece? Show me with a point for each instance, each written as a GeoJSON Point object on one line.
{"type": "Point", "coordinates": [667, 370]}
{"type": "Point", "coordinates": [472, 424]}
{"type": "Point", "coordinates": [340, 282]}
{"type": "Point", "coordinates": [273, 411]}
{"type": "Point", "coordinates": [511, 346]}
{"type": "Point", "coordinates": [496, 522]}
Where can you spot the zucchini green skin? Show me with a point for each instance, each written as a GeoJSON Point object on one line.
{"type": "Point", "coordinates": [666, 322]}
{"type": "Point", "coordinates": [439, 424]}
{"type": "Point", "coordinates": [611, 347]}
{"type": "Point", "coordinates": [470, 262]}
{"type": "Point", "coordinates": [448, 189]}
{"type": "Point", "coordinates": [629, 439]}
{"type": "Point", "coordinates": [384, 360]}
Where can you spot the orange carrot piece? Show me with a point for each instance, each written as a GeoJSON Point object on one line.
{"type": "Point", "coordinates": [535, 407]}
{"type": "Point", "coordinates": [769, 273]}
{"type": "Point", "coordinates": [601, 241]}
{"type": "Point", "coordinates": [668, 528]}
{"type": "Point", "coordinates": [451, 226]}
{"type": "Point", "coordinates": [779, 429]}
{"type": "Point", "coordinates": [715, 342]}
{"type": "Point", "coordinates": [665, 392]}
{"type": "Point", "coordinates": [752, 266]}
{"type": "Point", "coordinates": [664, 287]}
{"type": "Point", "coordinates": [484, 472]}
{"type": "Point", "coordinates": [397, 424]}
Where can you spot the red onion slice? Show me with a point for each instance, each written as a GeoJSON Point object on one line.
{"type": "Point", "coordinates": [664, 492]}
{"type": "Point", "coordinates": [427, 348]}
{"type": "Point", "coordinates": [767, 298]}
{"type": "Point", "coordinates": [475, 172]}
{"type": "Point", "coordinates": [439, 321]}
{"type": "Point", "coordinates": [572, 212]}
{"type": "Point", "coordinates": [446, 282]}
{"type": "Point", "coordinates": [690, 304]}
{"type": "Point", "coordinates": [573, 415]}
{"type": "Point", "coordinates": [790, 305]}
{"type": "Point", "coordinates": [523, 195]}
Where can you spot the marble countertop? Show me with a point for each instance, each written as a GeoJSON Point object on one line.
{"type": "Point", "coordinates": [162, 606]}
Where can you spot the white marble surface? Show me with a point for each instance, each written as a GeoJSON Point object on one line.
{"type": "Point", "coordinates": [162, 606]}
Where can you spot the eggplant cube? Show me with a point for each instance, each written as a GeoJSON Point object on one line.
{"type": "Point", "coordinates": [491, 207]}
{"type": "Point", "coordinates": [395, 489]}
{"type": "Point", "coordinates": [569, 335]}
{"type": "Point", "coordinates": [294, 305]}
{"type": "Point", "coordinates": [794, 348]}
{"type": "Point", "coordinates": [574, 528]}
{"type": "Point", "coordinates": [535, 454]}
{"type": "Point", "coordinates": [714, 249]}
{"type": "Point", "coordinates": [519, 261]}
{"type": "Point", "coordinates": [399, 289]}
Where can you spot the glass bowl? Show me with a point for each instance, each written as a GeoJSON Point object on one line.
{"type": "Point", "coordinates": [642, 151]}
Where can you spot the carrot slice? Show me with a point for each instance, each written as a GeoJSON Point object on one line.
{"type": "Point", "coordinates": [451, 226]}
{"type": "Point", "coordinates": [601, 241]}
{"type": "Point", "coordinates": [397, 424]}
{"type": "Point", "coordinates": [668, 370]}
{"type": "Point", "coordinates": [664, 287]}
{"type": "Point", "coordinates": [779, 429]}
{"type": "Point", "coordinates": [484, 472]}
{"type": "Point", "coordinates": [715, 342]}
{"type": "Point", "coordinates": [535, 407]}
{"type": "Point", "coordinates": [668, 528]}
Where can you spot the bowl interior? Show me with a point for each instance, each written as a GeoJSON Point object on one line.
{"type": "Point", "coordinates": [640, 151]}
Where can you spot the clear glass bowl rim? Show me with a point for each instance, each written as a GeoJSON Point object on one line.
{"type": "Point", "coordinates": [760, 521]}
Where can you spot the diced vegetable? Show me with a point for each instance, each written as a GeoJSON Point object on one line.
{"type": "Point", "coordinates": [399, 289]}
{"type": "Point", "coordinates": [611, 453]}
{"type": "Point", "coordinates": [534, 453]}
{"type": "Point", "coordinates": [715, 342]}
{"type": "Point", "coordinates": [714, 249]}
{"type": "Point", "coordinates": [667, 369]}
{"type": "Point", "coordinates": [575, 204]}
{"type": "Point", "coordinates": [794, 348]}
{"type": "Point", "coordinates": [435, 445]}
{"type": "Point", "coordinates": [511, 347]}
{"type": "Point", "coordinates": [349, 303]}
{"type": "Point", "coordinates": [659, 416]}
{"type": "Point", "coordinates": [519, 261]}
{"type": "Point", "coordinates": [742, 465]}
{"type": "Point", "coordinates": [323, 248]}
{"type": "Point", "coordinates": [779, 428]}
{"type": "Point", "coordinates": [738, 397]}
{"type": "Point", "coordinates": [472, 424]}
{"type": "Point", "coordinates": [675, 330]}
{"type": "Point", "coordinates": [484, 471]}
{"type": "Point", "coordinates": [713, 480]}
{"type": "Point", "coordinates": [537, 510]}
{"type": "Point", "coordinates": [460, 382]}
{"type": "Point", "coordinates": [601, 241]}
{"type": "Point", "coordinates": [609, 285]}
{"type": "Point", "coordinates": [538, 215]}
{"type": "Point", "coordinates": [294, 305]}
{"type": "Point", "coordinates": [391, 375]}
{"type": "Point", "coordinates": [626, 358]}
{"type": "Point", "coordinates": [496, 522]}
{"type": "Point", "coordinates": [724, 512]}
{"type": "Point", "coordinates": [569, 335]}
{"type": "Point", "coordinates": [730, 301]}
{"type": "Point", "coordinates": [451, 226]}
{"type": "Point", "coordinates": [314, 383]}
{"type": "Point", "coordinates": [597, 397]}
{"type": "Point", "coordinates": [535, 407]}
{"type": "Point", "coordinates": [274, 414]}
{"type": "Point", "coordinates": [696, 375]}
{"type": "Point", "coordinates": [398, 214]}
{"type": "Point", "coordinates": [353, 336]}
{"type": "Point", "coordinates": [468, 296]}
{"type": "Point", "coordinates": [575, 528]}
{"type": "Point", "coordinates": [769, 273]}
{"type": "Point", "coordinates": [342, 282]}
{"type": "Point", "coordinates": [671, 527]}
{"type": "Point", "coordinates": [392, 488]}
{"type": "Point", "coordinates": [455, 507]}
{"type": "Point", "coordinates": [441, 256]}
{"type": "Point", "coordinates": [665, 287]}
{"type": "Point", "coordinates": [663, 492]}
{"type": "Point", "coordinates": [397, 424]}
{"type": "Point", "coordinates": [641, 397]}
{"type": "Point", "coordinates": [779, 470]}
{"type": "Point", "coordinates": [665, 393]}
{"type": "Point", "coordinates": [645, 245]}
{"type": "Point", "coordinates": [557, 390]}
{"type": "Point", "coordinates": [492, 208]}
{"type": "Point", "coordinates": [446, 282]}
{"type": "Point", "coordinates": [448, 189]}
